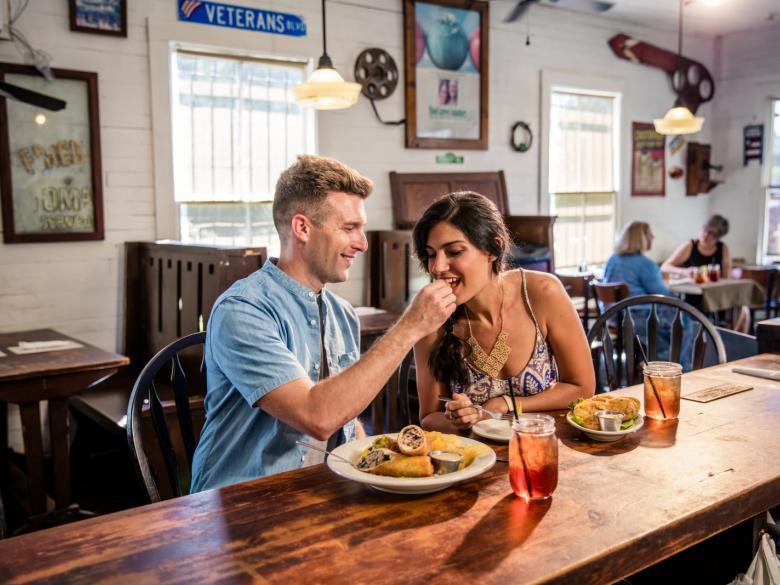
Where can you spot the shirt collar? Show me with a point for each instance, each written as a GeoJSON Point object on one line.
{"type": "Point", "coordinates": [288, 282]}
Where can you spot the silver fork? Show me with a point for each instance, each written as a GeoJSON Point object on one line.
{"type": "Point", "coordinates": [490, 413]}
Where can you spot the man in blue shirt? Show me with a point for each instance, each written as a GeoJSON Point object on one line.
{"type": "Point", "coordinates": [282, 351]}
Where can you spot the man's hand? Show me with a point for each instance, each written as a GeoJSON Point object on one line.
{"type": "Point", "coordinates": [430, 308]}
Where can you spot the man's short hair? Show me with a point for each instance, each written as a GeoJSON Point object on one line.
{"type": "Point", "coordinates": [304, 186]}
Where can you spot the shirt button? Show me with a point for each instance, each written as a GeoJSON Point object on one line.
{"type": "Point", "coordinates": [316, 366]}
{"type": "Point", "coordinates": [313, 322]}
{"type": "Point", "coordinates": [311, 295]}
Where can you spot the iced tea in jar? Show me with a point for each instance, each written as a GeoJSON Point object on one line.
{"type": "Point", "coordinates": [662, 390]}
{"type": "Point", "coordinates": [533, 456]}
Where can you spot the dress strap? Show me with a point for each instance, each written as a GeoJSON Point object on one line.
{"type": "Point", "coordinates": [528, 302]}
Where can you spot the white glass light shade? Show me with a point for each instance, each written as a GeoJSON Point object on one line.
{"type": "Point", "coordinates": [678, 120]}
{"type": "Point", "coordinates": [327, 90]}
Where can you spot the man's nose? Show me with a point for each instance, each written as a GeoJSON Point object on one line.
{"type": "Point", "coordinates": [361, 242]}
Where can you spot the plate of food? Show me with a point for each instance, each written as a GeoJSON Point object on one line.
{"type": "Point", "coordinates": [412, 461]}
{"type": "Point", "coordinates": [496, 430]}
{"type": "Point", "coordinates": [584, 415]}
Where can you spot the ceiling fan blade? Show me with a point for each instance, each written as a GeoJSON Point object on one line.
{"type": "Point", "coordinates": [518, 10]}
{"type": "Point", "coordinates": [585, 5]}
{"type": "Point", "coordinates": [31, 97]}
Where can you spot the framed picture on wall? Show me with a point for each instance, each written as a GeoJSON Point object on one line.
{"type": "Point", "coordinates": [50, 171]}
{"type": "Point", "coordinates": [103, 17]}
{"type": "Point", "coordinates": [446, 66]}
{"type": "Point", "coordinates": [648, 160]}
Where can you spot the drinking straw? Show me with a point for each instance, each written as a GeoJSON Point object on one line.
{"type": "Point", "coordinates": [520, 444]}
{"type": "Point", "coordinates": [650, 378]}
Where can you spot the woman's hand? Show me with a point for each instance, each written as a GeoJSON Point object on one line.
{"type": "Point", "coordinates": [461, 412]}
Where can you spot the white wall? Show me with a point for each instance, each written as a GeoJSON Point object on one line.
{"type": "Point", "coordinates": [749, 77]}
{"type": "Point", "coordinates": [77, 287]}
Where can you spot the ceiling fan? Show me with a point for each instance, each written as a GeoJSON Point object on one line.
{"type": "Point", "coordinates": [28, 96]}
{"type": "Point", "coordinates": [596, 6]}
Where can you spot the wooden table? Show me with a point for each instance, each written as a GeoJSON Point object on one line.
{"type": "Point", "coordinates": [618, 508]}
{"type": "Point", "coordinates": [722, 295]}
{"type": "Point", "coordinates": [28, 379]}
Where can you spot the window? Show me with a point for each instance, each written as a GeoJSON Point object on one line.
{"type": "Point", "coordinates": [772, 218]}
{"type": "Point", "coordinates": [236, 127]}
{"type": "Point", "coordinates": [582, 174]}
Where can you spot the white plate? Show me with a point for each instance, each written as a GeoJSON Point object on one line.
{"type": "Point", "coordinates": [407, 485]}
{"type": "Point", "coordinates": [497, 430]}
{"type": "Point", "coordinates": [607, 436]}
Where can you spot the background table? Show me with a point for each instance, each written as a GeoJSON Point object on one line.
{"type": "Point", "coordinates": [28, 379]}
{"type": "Point", "coordinates": [724, 294]}
{"type": "Point", "coordinates": [619, 507]}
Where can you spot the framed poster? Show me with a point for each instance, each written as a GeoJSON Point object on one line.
{"type": "Point", "coordinates": [446, 67]}
{"type": "Point", "coordinates": [648, 160]}
{"type": "Point", "coordinates": [50, 173]}
{"type": "Point", "coordinates": [103, 17]}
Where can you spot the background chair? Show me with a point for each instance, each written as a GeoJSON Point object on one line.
{"type": "Point", "coordinates": [767, 277]}
{"type": "Point", "coordinates": [408, 400]}
{"type": "Point", "coordinates": [581, 293]}
{"type": "Point", "coordinates": [165, 472]}
{"type": "Point", "coordinates": [623, 351]}
{"type": "Point", "coordinates": [737, 345]}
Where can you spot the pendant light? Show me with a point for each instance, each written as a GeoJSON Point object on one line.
{"type": "Point", "coordinates": [679, 119]}
{"type": "Point", "coordinates": [326, 89]}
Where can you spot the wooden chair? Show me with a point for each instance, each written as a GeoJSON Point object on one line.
{"type": "Point", "coordinates": [579, 287]}
{"type": "Point", "coordinates": [408, 400]}
{"type": "Point", "coordinates": [767, 277]}
{"type": "Point", "coordinates": [170, 438]}
{"type": "Point", "coordinates": [738, 345]}
{"type": "Point", "coordinates": [620, 358]}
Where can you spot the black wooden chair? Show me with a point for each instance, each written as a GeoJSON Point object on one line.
{"type": "Point", "coordinates": [149, 400]}
{"type": "Point", "coordinates": [767, 278]}
{"type": "Point", "coordinates": [408, 401]}
{"type": "Point", "coordinates": [579, 287]}
{"type": "Point", "coordinates": [619, 359]}
{"type": "Point", "coordinates": [738, 346]}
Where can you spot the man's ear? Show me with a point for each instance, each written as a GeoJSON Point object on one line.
{"type": "Point", "coordinates": [300, 227]}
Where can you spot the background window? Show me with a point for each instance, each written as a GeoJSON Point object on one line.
{"type": "Point", "coordinates": [772, 221]}
{"type": "Point", "coordinates": [582, 163]}
{"type": "Point", "coordinates": [236, 127]}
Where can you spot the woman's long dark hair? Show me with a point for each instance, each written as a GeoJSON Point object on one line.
{"type": "Point", "coordinates": [480, 221]}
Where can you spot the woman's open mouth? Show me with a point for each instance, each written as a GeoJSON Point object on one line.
{"type": "Point", "coordinates": [452, 281]}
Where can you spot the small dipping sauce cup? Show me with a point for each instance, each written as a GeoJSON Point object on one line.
{"type": "Point", "coordinates": [445, 461]}
{"type": "Point", "coordinates": [609, 420]}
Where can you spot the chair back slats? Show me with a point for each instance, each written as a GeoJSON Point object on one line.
{"type": "Point", "coordinates": [146, 391]}
{"type": "Point", "coordinates": [163, 436]}
{"type": "Point", "coordinates": [183, 414]}
{"type": "Point", "coordinates": [699, 348]}
{"type": "Point", "coordinates": [619, 346]}
{"type": "Point", "coordinates": [652, 335]}
{"type": "Point", "coordinates": [675, 342]}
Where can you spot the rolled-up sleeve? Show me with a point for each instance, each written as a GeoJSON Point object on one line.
{"type": "Point", "coordinates": [247, 345]}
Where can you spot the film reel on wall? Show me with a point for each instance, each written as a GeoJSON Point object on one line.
{"type": "Point", "coordinates": [376, 72]}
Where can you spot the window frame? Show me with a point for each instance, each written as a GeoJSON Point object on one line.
{"type": "Point", "coordinates": [763, 256]}
{"type": "Point", "coordinates": [164, 38]}
{"type": "Point", "coordinates": [589, 85]}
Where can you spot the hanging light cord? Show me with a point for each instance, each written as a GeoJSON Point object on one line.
{"type": "Point", "coordinates": [324, 38]}
{"type": "Point", "coordinates": [389, 122]}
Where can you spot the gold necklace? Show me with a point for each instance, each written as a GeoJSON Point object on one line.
{"type": "Point", "coordinates": [491, 363]}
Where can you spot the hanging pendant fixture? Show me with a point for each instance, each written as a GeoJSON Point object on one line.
{"type": "Point", "coordinates": [679, 119]}
{"type": "Point", "coordinates": [326, 89]}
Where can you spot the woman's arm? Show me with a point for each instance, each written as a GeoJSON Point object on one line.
{"type": "Point", "coordinates": [650, 277]}
{"type": "Point", "coordinates": [673, 264]}
{"type": "Point", "coordinates": [562, 328]}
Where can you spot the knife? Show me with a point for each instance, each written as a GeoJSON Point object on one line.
{"type": "Point", "coordinates": [758, 372]}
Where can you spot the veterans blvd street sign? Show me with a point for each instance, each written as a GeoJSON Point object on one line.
{"type": "Point", "coordinates": [241, 17]}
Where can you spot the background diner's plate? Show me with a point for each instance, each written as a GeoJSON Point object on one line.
{"type": "Point", "coordinates": [407, 485]}
{"type": "Point", "coordinates": [496, 430]}
{"type": "Point", "coordinates": [606, 436]}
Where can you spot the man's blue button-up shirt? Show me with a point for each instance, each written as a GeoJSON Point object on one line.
{"type": "Point", "coordinates": [264, 331]}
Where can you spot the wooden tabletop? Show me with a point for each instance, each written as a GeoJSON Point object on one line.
{"type": "Point", "coordinates": [31, 365]}
{"type": "Point", "coordinates": [618, 508]}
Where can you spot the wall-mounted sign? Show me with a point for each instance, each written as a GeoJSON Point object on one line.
{"type": "Point", "coordinates": [753, 146]}
{"type": "Point", "coordinates": [449, 158]}
{"type": "Point", "coordinates": [648, 160]}
{"type": "Point", "coordinates": [241, 17]}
